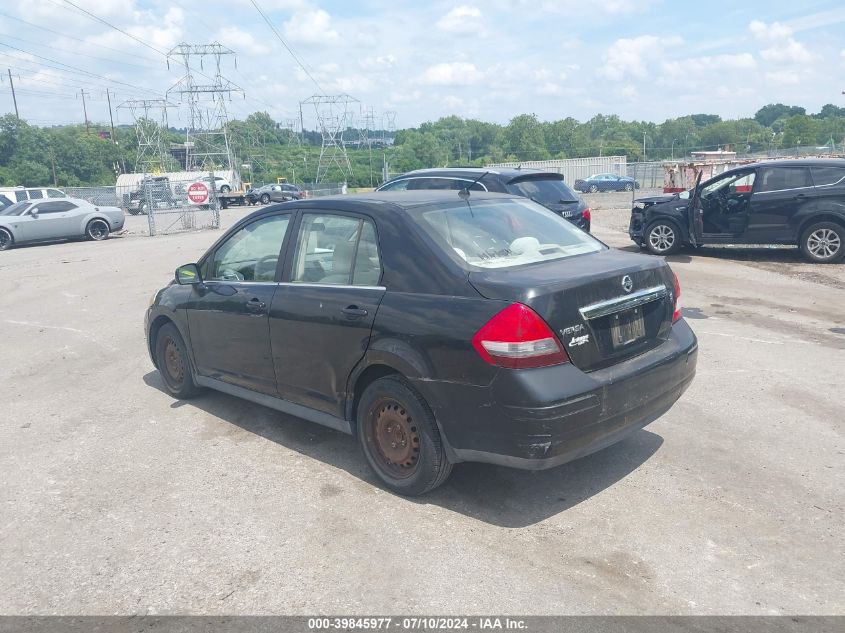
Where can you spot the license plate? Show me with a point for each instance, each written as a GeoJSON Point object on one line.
{"type": "Point", "coordinates": [626, 327]}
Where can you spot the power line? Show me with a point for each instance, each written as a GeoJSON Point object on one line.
{"type": "Point", "coordinates": [71, 37]}
{"type": "Point", "coordinates": [64, 50]}
{"type": "Point", "coordinates": [285, 44]}
{"type": "Point", "coordinates": [109, 24]}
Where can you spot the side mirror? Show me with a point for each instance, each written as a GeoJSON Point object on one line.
{"type": "Point", "coordinates": [188, 275]}
{"type": "Point", "coordinates": [34, 214]}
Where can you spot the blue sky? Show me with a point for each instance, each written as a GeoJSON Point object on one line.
{"type": "Point", "coordinates": [640, 59]}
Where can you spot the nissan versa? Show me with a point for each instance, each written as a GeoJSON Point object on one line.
{"type": "Point", "coordinates": [439, 327]}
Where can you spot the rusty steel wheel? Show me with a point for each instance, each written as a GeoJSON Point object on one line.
{"type": "Point", "coordinates": [395, 438]}
{"type": "Point", "coordinates": [172, 361]}
{"type": "Point", "coordinates": [400, 437]}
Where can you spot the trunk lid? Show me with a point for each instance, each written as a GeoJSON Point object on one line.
{"type": "Point", "coordinates": [599, 321]}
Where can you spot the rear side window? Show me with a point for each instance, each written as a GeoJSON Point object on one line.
{"type": "Point", "coordinates": [334, 249]}
{"type": "Point", "coordinates": [20, 195]}
{"type": "Point", "coordinates": [399, 185]}
{"type": "Point", "coordinates": [503, 233]}
{"type": "Point", "coordinates": [55, 193]}
{"type": "Point", "coordinates": [54, 207]}
{"type": "Point", "coordinates": [543, 190]}
{"type": "Point", "coordinates": [828, 176]}
{"type": "Point", "coordinates": [780, 178]}
{"type": "Point", "coordinates": [431, 183]}
{"type": "Point", "coordinates": [35, 193]}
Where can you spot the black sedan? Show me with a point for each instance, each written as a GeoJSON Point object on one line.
{"type": "Point", "coordinates": [438, 327]}
{"type": "Point", "coordinates": [606, 182]}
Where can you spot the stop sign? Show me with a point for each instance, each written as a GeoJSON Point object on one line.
{"type": "Point", "coordinates": [198, 193]}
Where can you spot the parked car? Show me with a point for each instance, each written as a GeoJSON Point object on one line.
{"type": "Point", "coordinates": [251, 195]}
{"type": "Point", "coordinates": [799, 202]}
{"type": "Point", "coordinates": [547, 188]}
{"type": "Point", "coordinates": [278, 193]}
{"type": "Point", "coordinates": [19, 194]}
{"type": "Point", "coordinates": [68, 218]}
{"type": "Point", "coordinates": [154, 188]}
{"type": "Point", "coordinates": [606, 182]}
{"type": "Point", "coordinates": [437, 327]}
{"type": "Point", "coordinates": [220, 184]}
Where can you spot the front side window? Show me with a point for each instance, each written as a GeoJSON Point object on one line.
{"type": "Point", "coordinates": [251, 254]}
{"type": "Point", "coordinates": [54, 207]}
{"type": "Point", "coordinates": [334, 249]}
{"type": "Point", "coordinates": [728, 185]}
{"type": "Point", "coordinates": [21, 195]}
{"type": "Point", "coordinates": [781, 178]}
{"type": "Point", "coordinates": [35, 194]}
{"type": "Point", "coordinates": [503, 233]}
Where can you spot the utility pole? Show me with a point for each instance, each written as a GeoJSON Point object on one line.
{"type": "Point", "coordinates": [111, 119]}
{"type": "Point", "coordinates": [14, 98]}
{"type": "Point", "coordinates": [85, 111]}
{"type": "Point", "coordinates": [643, 146]}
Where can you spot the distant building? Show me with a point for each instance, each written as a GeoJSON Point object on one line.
{"type": "Point", "coordinates": [720, 154]}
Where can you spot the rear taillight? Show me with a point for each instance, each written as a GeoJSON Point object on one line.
{"type": "Point", "coordinates": [586, 215]}
{"type": "Point", "coordinates": [518, 338]}
{"type": "Point", "coordinates": [679, 305]}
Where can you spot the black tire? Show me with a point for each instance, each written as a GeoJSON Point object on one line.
{"type": "Point", "coordinates": [629, 186]}
{"type": "Point", "coordinates": [225, 189]}
{"type": "Point", "coordinates": [97, 230]}
{"type": "Point", "coordinates": [415, 462]}
{"type": "Point", "coordinates": [173, 362]}
{"type": "Point", "coordinates": [6, 240]}
{"type": "Point", "coordinates": [143, 208]}
{"type": "Point", "coordinates": [134, 211]}
{"type": "Point", "coordinates": [593, 188]}
{"type": "Point", "coordinates": [823, 242]}
{"type": "Point", "coordinates": [265, 198]}
{"type": "Point", "coordinates": [663, 237]}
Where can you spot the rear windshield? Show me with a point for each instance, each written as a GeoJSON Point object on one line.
{"type": "Point", "coordinates": [543, 190]}
{"type": "Point", "coordinates": [503, 233]}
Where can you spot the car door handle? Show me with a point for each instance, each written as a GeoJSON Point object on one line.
{"type": "Point", "coordinates": [354, 312]}
{"type": "Point", "coordinates": [255, 305]}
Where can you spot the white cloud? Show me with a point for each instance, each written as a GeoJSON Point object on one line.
{"type": "Point", "coordinates": [611, 7]}
{"type": "Point", "coordinates": [549, 89]}
{"type": "Point", "coordinates": [452, 74]}
{"type": "Point", "coordinates": [629, 92]}
{"type": "Point", "coordinates": [773, 31]}
{"type": "Point", "coordinates": [241, 41]}
{"type": "Point", "coordinates": [313, 27]}
{"type": "Point", "coordinates": [462, 19]}
{"type": "Point", "coordinates": [791, 52]}
{"type": "Point", "coordinates": [635, 57]}
{"type": "Point", "coordinates": [784, 48]}
{"type": "Point", "coordinates": [788, 77]}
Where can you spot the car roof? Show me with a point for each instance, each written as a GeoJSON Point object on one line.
{"type": "Point", "coordinates": [798, 162]}
{"type": "Point", "coordinates": [475, 172]}
{"type": "Point", "coordinates": [387, 202]}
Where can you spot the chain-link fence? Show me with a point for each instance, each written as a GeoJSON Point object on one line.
{"type": "Point", "coordinates": [176, 206]}
{"type": "Point", "coordinates": [649, 174]}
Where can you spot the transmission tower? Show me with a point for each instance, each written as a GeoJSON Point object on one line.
{"type": "Point", "coordinates": [150, 117]}
{"type": "Point", "coordinates": [207, 141]}
{"type": "Point", "coordinates": [333, 119]}
{"type": "Point", "coordinates": [294, 133]}
{"type": "Point", "coordinates": [388, 125]}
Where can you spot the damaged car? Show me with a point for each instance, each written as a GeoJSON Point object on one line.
{"type": "Point", "coordinates": [522, 341]}
{"type": "Point", "coordinates": [799, 202]}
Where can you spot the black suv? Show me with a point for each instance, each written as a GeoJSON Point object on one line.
{"type": "Point", "coordinates": [546, 188]}
{"type": "Point", "coordinates": [774, 202]}
{"type": "Point", "coordinates": [155, 188]}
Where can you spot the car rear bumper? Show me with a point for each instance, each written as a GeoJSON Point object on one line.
{"type": "Point", "coordinates": [541, 418]}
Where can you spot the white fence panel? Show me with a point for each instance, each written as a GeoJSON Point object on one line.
{"type": "Point", "coordinates": [573, 168]}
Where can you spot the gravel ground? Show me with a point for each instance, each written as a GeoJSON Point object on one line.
{"type": "Point", "coordinates": [116, 499]}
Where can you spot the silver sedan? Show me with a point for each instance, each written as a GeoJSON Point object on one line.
{"type": "Point", "coordinates": [65, 218]}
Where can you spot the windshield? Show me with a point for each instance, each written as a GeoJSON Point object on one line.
{"type": "Point", "coordinates": [503, 233]}
{"type": "Point", "coordinates": [543, 190]}
{"type": "Point", "coordinates": [16, 209]}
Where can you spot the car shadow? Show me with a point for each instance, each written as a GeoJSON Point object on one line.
{"type": "Point", "coordinates": [496, 495]}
